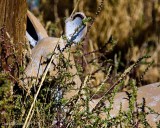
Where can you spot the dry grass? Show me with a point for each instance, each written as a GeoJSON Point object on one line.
{"type": "Point", "coordinates": [132, 27]}
{"type": "Point", "coordinates": [132, 23]}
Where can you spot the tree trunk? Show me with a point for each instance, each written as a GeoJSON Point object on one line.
{"type": "Point", "coordinates": [12, 34]}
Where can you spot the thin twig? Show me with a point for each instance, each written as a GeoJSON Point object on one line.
{"type": "Point", "coordinates": [127, 71]}
{"type": "Point", "coordinates": [41, 83]}
{"type": "Point", "coordinates": [75, 8]}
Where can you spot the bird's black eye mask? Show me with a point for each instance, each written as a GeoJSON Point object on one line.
{"type": "Point", "coordinates": [31, 30]}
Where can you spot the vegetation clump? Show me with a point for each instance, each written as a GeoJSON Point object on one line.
{"type": "Point", "coordinates": [45, 105]}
